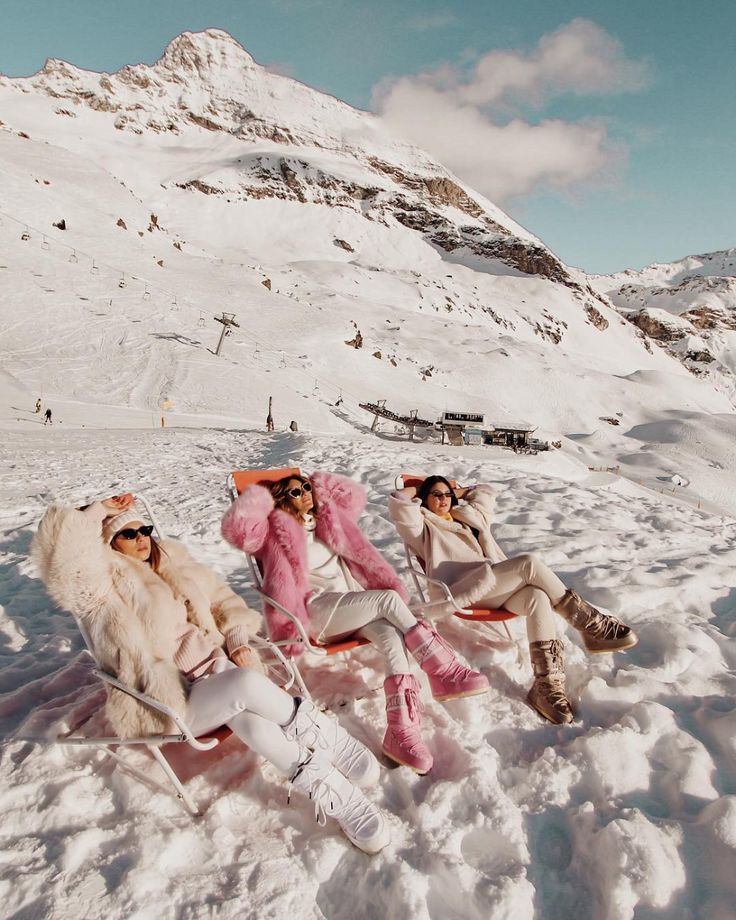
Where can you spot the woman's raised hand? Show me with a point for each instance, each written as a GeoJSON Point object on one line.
{"type": "Point", "coordinates": [118, 503]}
{"type": "Point", "coordinates": [243, 657]}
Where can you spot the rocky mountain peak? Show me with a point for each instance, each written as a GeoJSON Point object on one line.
{"type": "Point", "coordinates": [289, 142]}
{"type": "Point", "coordinates": [205, 54]}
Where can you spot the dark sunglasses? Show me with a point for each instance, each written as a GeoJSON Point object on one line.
{"type": "Point", "coordinates": [441, 494]}
{"type": "Point", "coordinates": [130, 533]}
{"type": "Point", "coordinates": [295, 493]}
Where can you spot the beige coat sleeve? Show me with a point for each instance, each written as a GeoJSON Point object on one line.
{"type": "Point", "coordinates": [231, 613]}
{"type": "Point", "coordinates": [409, 521]}
{"type": "Point", "coordinates": [71, 558]}
{"type": "Point", "coordinates": [234, 619]}
{"type": "Point", "coordinates": [483, 499]}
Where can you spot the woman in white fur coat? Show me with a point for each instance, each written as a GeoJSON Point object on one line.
{"type": "Point", "coordinates": [449, 529]}
{"type": "Point", "coordinates": [169, 627]}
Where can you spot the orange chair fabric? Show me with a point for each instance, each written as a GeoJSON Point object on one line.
{"type": "Point", "coordinates": [245, 478]}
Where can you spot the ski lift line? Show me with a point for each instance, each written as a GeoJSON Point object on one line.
{"type": "Point", "coordinates": [96, 264]}
{"type": "Point", "coordinates": [317, 382]}
{"type": "Point", "coordinates": [150, 286]}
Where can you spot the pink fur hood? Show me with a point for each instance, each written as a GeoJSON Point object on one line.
{"type": "Point", "coordinates": [279, 544]}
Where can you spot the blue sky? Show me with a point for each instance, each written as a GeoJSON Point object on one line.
{"type": "Point", "coordinates": [634, 102]}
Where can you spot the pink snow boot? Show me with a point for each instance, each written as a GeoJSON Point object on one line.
{"type": "Point", "coordinates": [403, 739]}
{"type": "Point", "coordinates": [448, 677]}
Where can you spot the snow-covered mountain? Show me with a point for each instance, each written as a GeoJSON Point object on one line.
{"type": "Point", "coordinates": [689, 306]}
{"type": "Point", "coordinates": [135, 205]}
{"type": "Point", "coordinates": [295, 144]}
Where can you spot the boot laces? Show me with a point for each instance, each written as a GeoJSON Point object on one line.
{"type": "Point", "coordinates": [408, 698]}
{"type": "Point", "coordinates": [592, 621]}
{"type": "Point", "coordinates": [553, 682]}
{"type": "Point", "coordinates": [354, 810]}
{"type": "Point", "coordinates": [409, 737]}
{"type": "Point", "coordinates": [554, 685]}
{"type": "Point", "coordinates": [342, 748]}
{"type": "Point", "coordinates": [603, 626]}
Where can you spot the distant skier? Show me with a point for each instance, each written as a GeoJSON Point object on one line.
{"type": "Point", "coordinates": [47, 418]}
{"type": "Point", "coordinates": [269, 417]}
{"type": "Point", "coordinates": [38, 405]}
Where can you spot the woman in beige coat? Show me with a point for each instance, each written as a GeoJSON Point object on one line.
{"type": "Point", "coordinates": [449, 529]}
{"type": "Point", "coordinates": [169, 627]}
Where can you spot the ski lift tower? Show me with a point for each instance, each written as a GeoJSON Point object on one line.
{"type": "Point", "coordinates": [227, 320]}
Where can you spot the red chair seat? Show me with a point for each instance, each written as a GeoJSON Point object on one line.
{"type": "Point", "coordinates": [221, 734]}
{"type": "Point", "coordinates": [344, 645]}
{"type": "Point", "coordinates": [245, 478]}
{"type": "Point", "coordinates": [485, 616]}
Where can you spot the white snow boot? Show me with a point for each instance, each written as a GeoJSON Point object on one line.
{"type": "Point", "coordinates": [335, 796]}
{"type": "Point", "coordinates": [319, 731]}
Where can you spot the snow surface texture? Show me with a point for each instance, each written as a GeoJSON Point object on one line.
{"type": "Point", "coordinates": [205, 184]}
{"type": "Point", "coordinates": [252, 178]}
{"type": "Point", "coordinates": [628, 812]}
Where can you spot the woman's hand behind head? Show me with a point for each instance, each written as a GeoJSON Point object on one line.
{"type": "Point", "coordinates": [118, 503]}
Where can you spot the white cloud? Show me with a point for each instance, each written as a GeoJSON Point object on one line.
{"type": "Point", "coordinates": [472, 122]}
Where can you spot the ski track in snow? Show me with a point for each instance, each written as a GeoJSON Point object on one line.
{"type": "Point", "coordinates": [628, 812]}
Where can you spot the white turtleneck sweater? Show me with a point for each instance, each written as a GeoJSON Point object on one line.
{"type": "Point", "coordinates": [327, 572]}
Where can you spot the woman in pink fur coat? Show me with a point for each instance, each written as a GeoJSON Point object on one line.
{"type": "Point", "coordinates": [318, 565]}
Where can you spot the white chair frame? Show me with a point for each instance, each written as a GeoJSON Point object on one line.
{"type": "Point", "coordinates": [154, 743]}
{"type": "Point", "coordinates": [417, 572]}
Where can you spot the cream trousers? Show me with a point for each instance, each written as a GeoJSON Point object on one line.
{"type": "Point", "coordinates": [529, 588]}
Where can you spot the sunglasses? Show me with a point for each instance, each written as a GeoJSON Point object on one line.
{"type": "Point", "coordinates": [295, 493]}
{"type": "Point", "coordinates": [130, 533]}
{"type": "Point", "coordinates": [441, 494]}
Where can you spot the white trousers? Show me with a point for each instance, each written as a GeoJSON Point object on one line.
{"type": "Point", "coordinates": [529, 588]}
{"type": "Point", "coordinates": [380, 616]}
{"type": "Point", "coordinates": [252, 706]}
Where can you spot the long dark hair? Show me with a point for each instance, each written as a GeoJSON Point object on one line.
{"type": "Point", "coordinates": [429, 483]}
{"type": "Point", "coordinates": [282, 499]}
{"type": "Point", "coordinates": [154, 560]}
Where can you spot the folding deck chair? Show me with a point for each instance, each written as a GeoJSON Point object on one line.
{"type": "Point", "coordinates": [416, 566]}
{"type": "Point", "coordinates": [152, 743]}
{"type": "Point", "coordinates": [237, 482]}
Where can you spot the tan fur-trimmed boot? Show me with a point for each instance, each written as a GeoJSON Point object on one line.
{"type": "Point", "coordinates": [600, 632]}
{"type": "Point", "coordinates": [547, 694]}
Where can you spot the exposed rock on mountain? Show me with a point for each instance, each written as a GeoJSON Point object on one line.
{"type": "Point", "coordinates": [688, 306]}
{"type": "Point", "coordinates": [208, 81]}
{"type": "Point", "coordinates": [299, 213]}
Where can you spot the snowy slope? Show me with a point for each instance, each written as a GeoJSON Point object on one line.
{"type": "Point", "coordinates": [206, 184]}
{"type": "Point", "coordinates": [628, 812]}
{"type": "Point", "coordinates": [458, 306]}
{"type": "Point", "coordinates": [688, 306]}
